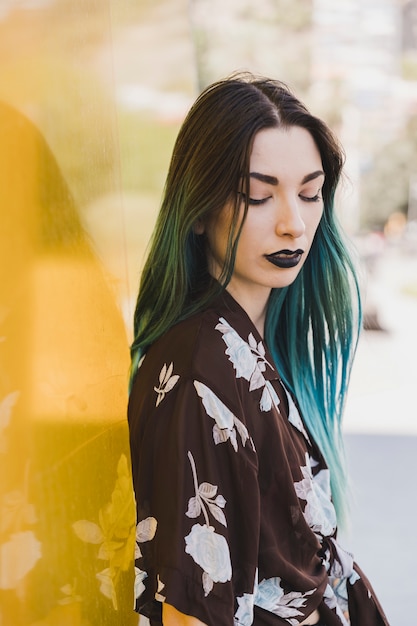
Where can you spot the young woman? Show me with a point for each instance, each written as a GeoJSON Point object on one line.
{"type": "Point", "coordinates": [245, 327]}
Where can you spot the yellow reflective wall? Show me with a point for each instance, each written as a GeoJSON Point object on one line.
{"type": "Point", "coordinates": [83, 153]}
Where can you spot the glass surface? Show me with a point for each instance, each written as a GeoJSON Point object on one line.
{"type": "Point", "coordinates": [84, 144]}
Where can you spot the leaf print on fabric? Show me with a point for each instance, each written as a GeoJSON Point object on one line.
{"type": "Point", "coordinates": [342, 566]}
{"type": "Point", "coordinates": [248, 359]}
{"type": "Point", "coordinates": [141, 360]}
{"type": "Point", "coordinates": [269, 397]}
{"type": "Point", "coordinates": [226, 422]}
{"type": "Point", "coordinates": [207, 548]}
{"type": "Point", "coordinates": [331, 601]}
{"type": "Point", "coordinates": [140, 576]}
{"type": "Point", "coordinates": [161, 587]}
{"type": "Point", "coordinates": [205, 496]}
{"type": "Point", "coordinates": [294, 416]}
{"type": "Point", "coordinates": [319, 511]}
{"type": "Point", "coordinates": [244, 614]}
{"type": "Point", "coordinates": [340, 591]}
{"type": "Point", "coordinates": [145, 531]}
{"type": "Point", "coordinates": [271, 597]}
{"type": "Point", "coordinates": [166, 382]}
{"type": "Point", "coordinates": [238, 351]}
{"type": "Point", "coordinates": [340, 571]}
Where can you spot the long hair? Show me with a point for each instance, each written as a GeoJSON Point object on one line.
{"type": "Point", "coordinates": [312, 325]}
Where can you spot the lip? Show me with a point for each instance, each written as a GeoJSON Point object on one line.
{"type": "Point", "coordinates": [285, 258]}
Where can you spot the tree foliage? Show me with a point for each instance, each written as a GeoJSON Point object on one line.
{"type": "Point", "coordinates": [386, 181]}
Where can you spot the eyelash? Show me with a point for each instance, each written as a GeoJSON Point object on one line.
{"type": "Point", "coordinates": [256, 202]}
{"type": "Point", "coordinates": [315, 198]}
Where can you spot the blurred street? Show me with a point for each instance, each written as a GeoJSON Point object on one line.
{"type": "Point", "coordinates": [381, 439]}
{"type": "Point", "coordinates": [385, 373]}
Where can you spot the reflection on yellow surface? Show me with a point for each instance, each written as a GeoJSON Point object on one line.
{"type": "Point", "coordinates": [82, 161]}
{"type": "Point", "coordinates": [67, 530]}
{"type": "Point", "coordinates": [67, 527]}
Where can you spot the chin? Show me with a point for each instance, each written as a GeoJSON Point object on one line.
{"type": "Point", "coordinates": [286, 281]}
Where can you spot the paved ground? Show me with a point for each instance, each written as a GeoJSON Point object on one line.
{"type": "Point", "coordinates": [383, 536]}
{"type": "Point", "coordinates": [384, 377]}
{"type": "Point", "coordinates": [381, 438]}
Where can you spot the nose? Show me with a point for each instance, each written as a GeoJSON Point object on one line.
{"type": "Point", "coordinates": [289, 221]}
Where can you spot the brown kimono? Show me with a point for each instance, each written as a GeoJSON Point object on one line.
{"type": "Point", "coordinates": [235, 520]}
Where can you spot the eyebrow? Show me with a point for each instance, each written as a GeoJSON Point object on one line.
{"type": "Point", "coordinates": [264, 178]}
{"type": "Point", "coordinates": [312, 176]}
{"type": "Point", "coordinates": [273, 180]}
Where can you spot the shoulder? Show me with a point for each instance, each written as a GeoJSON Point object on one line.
{"type": "Point", "coordinates": [189, 344]}
{"type": "Point", "coordinates": [205, 347]}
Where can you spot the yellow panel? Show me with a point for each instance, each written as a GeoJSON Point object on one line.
{"type": "Point", "coordinates": [78, 196]}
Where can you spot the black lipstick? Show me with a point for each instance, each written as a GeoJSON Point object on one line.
{"type": "Point", "coordinates": [285, 258]}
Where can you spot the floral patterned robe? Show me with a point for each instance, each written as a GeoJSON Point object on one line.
{"type": "Point", "coordinates": [235, 520]}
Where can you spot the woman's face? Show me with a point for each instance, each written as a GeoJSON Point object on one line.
{"type": "Point", "coordinates": [285, 208]}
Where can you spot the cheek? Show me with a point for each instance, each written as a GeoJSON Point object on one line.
{"type": "Point", "coordinates": [313, 220]}
{"type": "Point", "coordinates": [217, 236]}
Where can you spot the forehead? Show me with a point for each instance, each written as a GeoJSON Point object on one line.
{"type": "Point", "coordinates": [285, 152]}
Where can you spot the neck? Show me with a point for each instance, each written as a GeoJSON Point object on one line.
{"type": "Point", "coordinates": [254, 305]}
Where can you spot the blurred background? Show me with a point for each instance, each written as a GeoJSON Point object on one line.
{"type": "Point", "coordinates": [92, 94]}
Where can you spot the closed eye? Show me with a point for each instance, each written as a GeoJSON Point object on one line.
{"type": "Point", "coordinates": [254, 201]}
{"type": "Point", "coordinates": [315, 198]}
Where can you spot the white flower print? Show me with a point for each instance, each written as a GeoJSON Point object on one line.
{"type": "Point", "coordinates": [269, 397]}
{"type": "Point", "coordinates": [203, 499]}
{"type": "Point", "coordinates": [166, 382]}
{"type": "Point", "coordinates": [343, 564]}
{"type": "Point", "coordinates": [331, 601]}
{"type": "Point", "coordinates": [319, 512]}
{"type": "Point", "coordinates": [211, 552]}
{"type": "Point", "coordinates": [207, 548]}
{"type": "Point", "coordinates": [294, 416]}
{"type": "Point", "coordinates": [340, 591]}
{"type": "Point", "coordinates": [238, 351]}
{"type": "Point", "coordinates": [161, 586]}
{"type": "Point", "coordinates": [271, 597]}
{"type": "Point", "coordinates": [244, 614]}
{"type": "Point", "coordinates": [141, 360]}
{"type": "Point", "coordinates": [248, 359]}
{"type": "Point", "coordinates": [145, 531]}
{"type": "Point", "coordinates": [226, 422]}
{"type": "Point", "coordinates": [340, 572]}
{"type": "Point", "coordinates": [140, 576]}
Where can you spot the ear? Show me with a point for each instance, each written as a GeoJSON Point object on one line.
{"type": "Point", "coordinates": [199, 227]}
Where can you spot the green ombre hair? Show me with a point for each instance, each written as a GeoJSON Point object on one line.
{"type": "Point", "coordinates": [312, 326]}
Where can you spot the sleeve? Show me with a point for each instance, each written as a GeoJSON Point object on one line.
{"type": "Point", "coordinates": [196, 487]}
{"type": "Point", "coordinates": [364, 606]}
